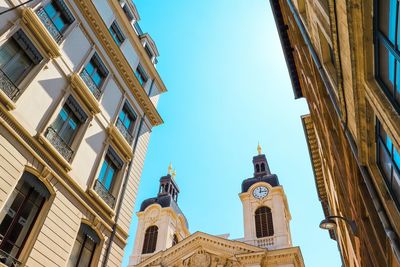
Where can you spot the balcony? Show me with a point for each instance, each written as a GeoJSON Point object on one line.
{"type": "Point", "coordinates": [58, 143]}
{"type": "Point", "coordinates": [8, 87]}
{"type": "Point", "coordinates": [8, 260]}
{"type": "Point", "coordinates": [90, 84]}
{"type": "Point", "coordinates": [49, 24]}
{"type": "Point", "coordinates": [124, 131]}
{"type": "Point", "coordinates": [102, 192]}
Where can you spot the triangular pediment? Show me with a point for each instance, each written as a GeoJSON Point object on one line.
{"type": "Point", "coordinates": [205, 248]}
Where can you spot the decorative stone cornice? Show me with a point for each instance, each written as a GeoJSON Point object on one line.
{"type": "Point", "coordinates": [120, 142]}
{"type": "Point", "coordinates": [112, 49]}
{"type": "Point", "coordinates": [33, 22]}
{"type": "Point", "coordinates": [81, 89]}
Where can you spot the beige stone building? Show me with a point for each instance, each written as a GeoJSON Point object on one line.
{"type": "Point", "coordinates": [163, 237]}
{"type": "Point", "coordinates": [78, 96]}
{"type": "Point", "coordinates": [343, 58]}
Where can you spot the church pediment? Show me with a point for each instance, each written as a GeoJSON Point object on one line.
{"type": "Point", "coordinates": [204, 250]}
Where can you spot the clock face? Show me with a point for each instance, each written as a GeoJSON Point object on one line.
{"type": "Point", "coordinates": [260, 192]}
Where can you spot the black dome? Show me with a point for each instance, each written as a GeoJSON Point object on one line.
{"type": "Point", "coordinates": [272, 179]}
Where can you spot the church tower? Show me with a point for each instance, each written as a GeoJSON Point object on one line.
{"type": "Point", "coordinates": [265, 209]}
{"type": "Point", "coordinates": [161, 223]}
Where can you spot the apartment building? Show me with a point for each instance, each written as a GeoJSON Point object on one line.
{"type": "Point", "coordinates": [343, 59]}
{"type": "Point", "coordinates": [78, 96]}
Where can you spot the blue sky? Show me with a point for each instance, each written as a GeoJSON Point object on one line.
{"type": "Point", "coordinates": [228, 90]}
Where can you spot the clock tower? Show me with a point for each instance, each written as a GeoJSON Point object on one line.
{"type": "Point", "coordinates": [265, 208]}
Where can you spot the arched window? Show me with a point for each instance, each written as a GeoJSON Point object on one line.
{"type": "Point", "coordinates": [150, 240]}
{"type": "Point", "coordinates": [263, 220]}
{"type": "Point", "coordinates": [257, 168]}
{"type": "Point", "coordinates": [19, 216]}
{"type": "Point", "coordinates": [174, 240]}
{"type": "Point", "coordinates": [84, 248]}
{"type": "Point", "coordinates": [262, 167]}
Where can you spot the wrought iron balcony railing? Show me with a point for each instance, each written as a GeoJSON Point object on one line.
{"type": "Point", "coordinates": [90, 84]}
{"type": "Point", "coordinates": [59, 144]}
{"type": "Point", "coordinates": [102, 191]}
{"type": "Point", "coordinates": [49, 24]}
{"type": "Point", "coordinates": [8, 260]}
{"type": "Point", "coordinates": [8, 87]}
{"type": "Point", "coordinates": [124, 131]}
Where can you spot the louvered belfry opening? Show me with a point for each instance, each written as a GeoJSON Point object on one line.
{"type": "Point", "coordinates": [264, 224]}
{"type": "Point", "coordinates": [150, 240]}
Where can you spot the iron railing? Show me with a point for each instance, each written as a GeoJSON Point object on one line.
{"type": "Point", "coordinates": [8, 87]}
{"type": "Point", "coordinates": [49, 24]}
{"type": "Point", "coordinates": [90, 84]}
{"type": "Point", "coordinates": [124, 131]}
{"type": "Point", "coordinates": [103, 192]}
{"type": "Point", "coordinates": [8, 260]}
{"type": "Point", "coordinates": [59, 144]}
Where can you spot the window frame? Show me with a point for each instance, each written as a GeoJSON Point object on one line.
{"type": "Point", "coordinates": [32, 51]}
{"type": "Point", "coordinates": [380, 38]}
{"type": "Point", "coordinates": [380, 144]}
{"type": "Point", "coordinates": [30, 239]}
{"type": "Point", "coordinates": [143, 75]}
{"type": "Point", "coordinates": [268, 219]}
{"type": "Point", "coordinates": [150, 240]}
{"type": "Point", "coordinates": [116, 33]}
{"type": "Point", "coordinates": [98, 245]}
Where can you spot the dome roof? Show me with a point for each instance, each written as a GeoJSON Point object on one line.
{"type": "Point", "coordinates": [272, 179]}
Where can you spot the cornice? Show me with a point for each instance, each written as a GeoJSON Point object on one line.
{"type": "Point", "coordinates": [84, 93]}
{"type": "Point", "coordinates": [112, 49]}
{"type": "Point", "coordinates": [33, 22]}
{"type": "Point", "coordinates": [120, 142]}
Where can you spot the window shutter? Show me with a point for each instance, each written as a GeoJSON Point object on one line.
{"type": "Point", "coordinates": [27, 45]}
{"type": "Point", "coordinates": [76, 109]}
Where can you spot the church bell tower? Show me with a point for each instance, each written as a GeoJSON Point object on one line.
{"type": "Point", "coordinates": [161, 223]}
{"type": "Point", "coordinates": [265, 209]}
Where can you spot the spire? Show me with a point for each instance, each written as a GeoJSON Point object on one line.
{"type": "Point", "coordinates": [173, 174]}
{"type": "Point", "coordinates": [259, 149]}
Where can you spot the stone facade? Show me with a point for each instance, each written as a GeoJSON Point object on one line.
{"type": "Point", "coordinates": [332, 53]}
{"type": "Point", "coordinates": [67, 82]}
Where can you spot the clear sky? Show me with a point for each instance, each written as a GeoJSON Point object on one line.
{"type": "Point", "coordinates": [228, 89]}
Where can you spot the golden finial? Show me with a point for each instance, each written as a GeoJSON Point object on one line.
{"type": "Point", "coordinates": [170, 168]}
{"type": "Point", "coordinates": [259, 149]}
{"type": "Point", "coordinates": [173, 173]}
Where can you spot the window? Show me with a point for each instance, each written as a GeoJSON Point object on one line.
{"type": "Point", "coordinates": [84, 248]}
{"type": "Point", "coordinates": [112, 163]}
{"type": "Point", "coordinates": [19, 215]}
{"type": "Point", "coordinates": [389, 162]}
{"type": "Point", "coordinates": [106, 181]}
{"type": "Point", "coordinates": [17, 57]}
{"type": "Point", "coordinates": [141, 75]}
{"type": "Point", "coordinates": [56, 17]}
{"type": "Point", "coordinates": [94, 74]}
{"type": "Point", "coordinates": [150, 240]}
{"type": "Point", "coordinates": [127, 12]}
{"type": "Point", "coordinates": [116, 33]}
{"type": "Point", "coordinates": [126, 122]}
{"type": "Point", "coordinates": [175, 240]}
{"type": "Point", "coordinates": [62, 131]}
{"type": "Point", "coordinates": [387, 47]}
{"type": "Point", "coordinates": [263, 220]}
{"type": "Point", "coordinates": [148, 51]}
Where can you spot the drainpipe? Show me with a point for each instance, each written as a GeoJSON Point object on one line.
{"type": "Point", "coordinates": [124, 185]}
{"type": "Point", "coordinates": [390, 233]}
